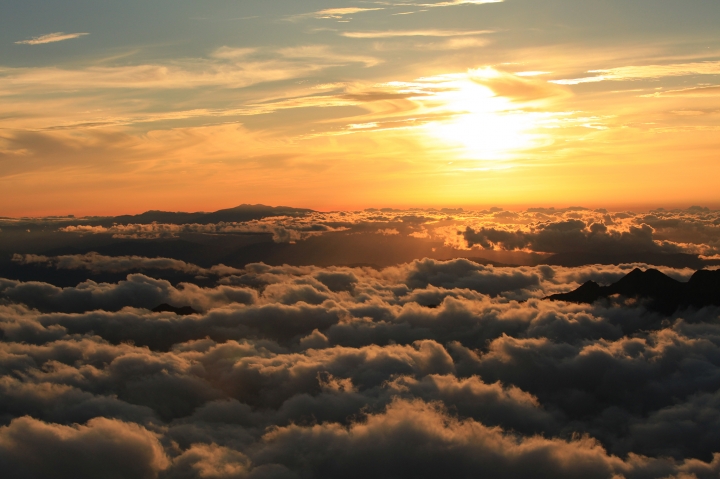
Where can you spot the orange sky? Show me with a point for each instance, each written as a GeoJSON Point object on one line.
{"type": "Point", "coordinates": [352, 106]}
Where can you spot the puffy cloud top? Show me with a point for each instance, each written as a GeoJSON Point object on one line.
{"type": "Point", "coordinates": [425, 369]}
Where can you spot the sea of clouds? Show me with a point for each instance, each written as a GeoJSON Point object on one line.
{"type": "Point", "coordinates": [695, 230]}
{"type": "Point", "coordinates": [421, 370]}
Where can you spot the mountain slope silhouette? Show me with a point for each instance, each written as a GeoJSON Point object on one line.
{"type": "Point", "coordinates": [657, 291]}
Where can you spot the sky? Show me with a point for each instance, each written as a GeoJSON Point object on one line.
{"type": "Point", "coordinates": [121, 107]}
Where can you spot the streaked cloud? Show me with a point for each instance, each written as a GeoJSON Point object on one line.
{"type": "Point", "coordinates": [155, 76]}
{"type": "Point", "coordinates": [710, 90]}
{"type": "Point", "coordinates": [233, 68]}
{"type": "Point", "coordinates": [325, 54]}
{"type": "Point", "coordinates": [283, 230]}
{"type": "Point", "coordinates": [457, 2]}
{"type": "Point", "coordinates": [343, 12]}
{"type": "Point", "coordinates": [415, 33]}
{"type": "Point", "coordinates": [336, 13]}
{"type": "Point", "coordinates": [531, 74]}
{"type": "Point", "coordinates": [228, 53]}
{"type": "Point", "coordinates": [99, 263]}
{"type": "Point", "coordinates": [51, 38]}
{"type": "Point", "coordinates": [646, 72]}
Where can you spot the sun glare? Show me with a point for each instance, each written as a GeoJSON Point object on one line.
{"type": "Point", "coordinates": [481, 124]}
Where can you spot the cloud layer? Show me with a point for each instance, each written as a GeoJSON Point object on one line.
{"type": "Point", "coordinates": [419, 370]}
{"type": "Point", "coordinates": [695, 230]}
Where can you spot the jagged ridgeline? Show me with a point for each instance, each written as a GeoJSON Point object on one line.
{"type": "Point", "coordinates": [657, 291]}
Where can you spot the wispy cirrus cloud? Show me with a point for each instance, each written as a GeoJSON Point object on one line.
{"type": "Point", "coordinates": [646, 72]}
{"type": "Point", "coordinates": [340, 13]}
{"type": "Point", "coordinates": [459, 2]}
{"type": "Point", "coordinates": [225, 68]}
{"type": "Point", "coordinates": [335, 13]}
{"type": "Point", "coordinates": [51, 38]}
{"type": "Point", "coordinates": [450, 3]}
{"type": "Point", "coordinates": [323, 54]}
{"type": "Point", "coordinates": [705, 90]}
{"type": "Point", "coordinates": [415, 33]}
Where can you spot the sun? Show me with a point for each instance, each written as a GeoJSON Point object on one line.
{"type": "Point", "coordinates": [479, 124]}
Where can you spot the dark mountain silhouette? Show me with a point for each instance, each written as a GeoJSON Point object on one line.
{"type": "Point", "coordinates": [181, 311]}
{"type": "Point", "coordinates": [237, 214]}
{"type": "Point", "coordinates": [659, 292]}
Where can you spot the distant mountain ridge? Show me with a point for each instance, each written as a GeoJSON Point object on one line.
{"type": "Point", "coordinates": [660, 292]}
{"type": "Point", "coordinates": [240, 213]}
